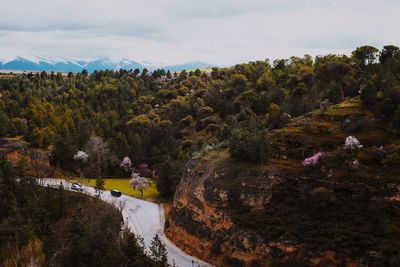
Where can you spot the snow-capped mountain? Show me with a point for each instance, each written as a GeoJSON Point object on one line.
{"type": "Point", "coordinates": [63, 65]}
{"type": "Point", "coordinates": [189, 66]}
{"type": "Point", "coordinates": [104, 63]}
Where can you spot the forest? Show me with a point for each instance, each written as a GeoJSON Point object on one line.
{"type": "Point", "coordinates": [162, 119]}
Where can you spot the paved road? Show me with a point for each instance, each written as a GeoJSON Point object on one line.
{"type": "Point", "coordinates": [143, 218]}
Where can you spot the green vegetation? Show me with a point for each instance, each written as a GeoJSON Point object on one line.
{"type": "Point", "coordinates": [53, 227]}
{"type": "Point", "coordinates": [160, 118]}
{"type": "Point", "coordinates": [275, 113]}
{"type": "Point", "coordinates": [245, 145]}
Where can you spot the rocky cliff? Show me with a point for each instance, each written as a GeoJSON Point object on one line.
{"type": "Point", "coordinates": [200, 219]}
{"type": "Point", "coordinates": [34, 161]}
{"type": "Point", "coordinates": [232, 213]}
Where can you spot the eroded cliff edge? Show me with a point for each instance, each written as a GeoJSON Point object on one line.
{"type": "Point", "coordinates": [232, 213]}
{"type": "Point", "coordinates": [201, 221]}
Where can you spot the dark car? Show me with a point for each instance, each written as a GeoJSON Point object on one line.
{"type": "Point", "coordinates": [115, 193]}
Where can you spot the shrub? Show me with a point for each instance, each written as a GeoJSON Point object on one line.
{"type": "Point", "coordinates": [368, 94]}
{"type": "Point", "coordinates": [187, 120]}
{"type": "Point", "coordinates": [229, 261]}
{"type": "Point", "coordinates": [393, 159]}
{"type": "Point", "coordinates": [186, 144]}
{"type": "Point", "coordinates": [204, 112]}
{"type": "Point", "coordinates": [248, 146]}
{"type": "Point", "coordinates": [387, 109]}
{"type": "Point", "coordinates": [212, 128]}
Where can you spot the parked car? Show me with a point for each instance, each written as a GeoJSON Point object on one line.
{"type": "Point", "coordinates": [115, 193]}
{"type": "Point", "coordinates": [77, 187]}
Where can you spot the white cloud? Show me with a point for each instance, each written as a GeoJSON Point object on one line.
{"type": "Point", "coordinates": [174, 31]}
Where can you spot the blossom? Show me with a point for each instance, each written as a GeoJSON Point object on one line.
{"type": "Point", "coordinates": [312, 161]}
{"type": "Point", "coordinates": [352, 143]}
{"type": "Point", "coordinates": [355, 164]}
{"type": "Point", "coordinates": [126, 164]}
{"type": "Point", "coordinates": [81, 155]}
{"type": "Point", "coordinates": [138, 182]}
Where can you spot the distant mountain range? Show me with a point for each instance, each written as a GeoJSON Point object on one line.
{"type": "Point", "coordinates": [65, 65]}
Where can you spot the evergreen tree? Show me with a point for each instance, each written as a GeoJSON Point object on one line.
{"type": "Point", "coordinates": [158, 252]}
{"type": "Point", "coordinates": [368, 94]}
{"type": "Point", "coordinates": [387, 109]}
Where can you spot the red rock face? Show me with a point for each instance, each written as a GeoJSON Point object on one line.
{"type": "Point", "coordinates": [200, 222]}
{"type": "Point", "coordinates": [36, 159]}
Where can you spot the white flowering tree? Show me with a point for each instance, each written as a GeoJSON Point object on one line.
{"type": "Point", "coordinates": [352, 143]}
{"type": "Point", "coordinates": [81, 156]}
{"type": "Point", "coordinates": [138, 182]}
{"type": "Point", "coordinates": [126, 164]}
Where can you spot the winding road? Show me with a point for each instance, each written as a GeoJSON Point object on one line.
{"type": "Point", "coordinates": [142, 218]}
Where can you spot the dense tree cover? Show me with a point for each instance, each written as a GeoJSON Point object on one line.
{"type": "Point", "coordinates": [348, 218]}
{"type": "Point", "coordinates": [162, 119]}
{"type": "Point", "coordinates": [42, 226]}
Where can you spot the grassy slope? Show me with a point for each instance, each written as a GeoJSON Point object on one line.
{"type": "Point", "coordinates": [150, 193]}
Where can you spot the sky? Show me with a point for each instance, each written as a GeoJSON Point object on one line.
{"type": "Point", "coordinates": [220, 32]}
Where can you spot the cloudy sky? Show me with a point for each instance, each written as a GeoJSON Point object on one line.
{"type": "Point", "coordinates": [221, 32]}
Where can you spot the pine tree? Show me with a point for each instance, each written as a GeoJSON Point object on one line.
{"type": "Point", "coordinates": [132, 247]}
{"type": "Point", "coordinates": [158, 252]}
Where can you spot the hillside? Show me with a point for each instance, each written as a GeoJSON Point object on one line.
{"type": "Point", "coordinates": [33, 161]}
{"type": "Point", "coordinates": [261, 147]}
{"type": "Point", "coordinates": [284, 214]}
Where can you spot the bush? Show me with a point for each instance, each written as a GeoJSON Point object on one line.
{"type": "Point", "coordinates": [249, 146]}
{"type": "Point", "coordinates": [204, 112]}
{"type": "Point", "coordinates": [212, 128]}
{"type": "Point", "coordinates": [187, 120]}
{"type": "Point", "coordinates": [393, 159]}
{"type": "Point", "coordinates": [368, 94]}
{"type": "Point", "coordinates": [387, 109]}
{"type": "Point", "coordinates": [229, 261]}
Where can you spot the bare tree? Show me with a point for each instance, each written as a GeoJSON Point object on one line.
{"type": "Point", "coordinates": [98, 152]}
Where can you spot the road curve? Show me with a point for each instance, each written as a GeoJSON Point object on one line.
{"type": "Point", "coordinates": [141, 217]}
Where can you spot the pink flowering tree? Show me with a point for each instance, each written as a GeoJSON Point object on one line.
{"type": "Point", "coordinates": [352, 143]}
{"type": "Point", "coordinates": [355, 165]}
{"type": "Point", "coordinates": [139, 182]}
{"type": "Point", "coordinates": [126, 164]}
{"type": "Point", "coordinates": [313, 160]}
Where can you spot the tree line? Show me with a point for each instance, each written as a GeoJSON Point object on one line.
{"type": "Point", "coordinates": [163, 119]}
